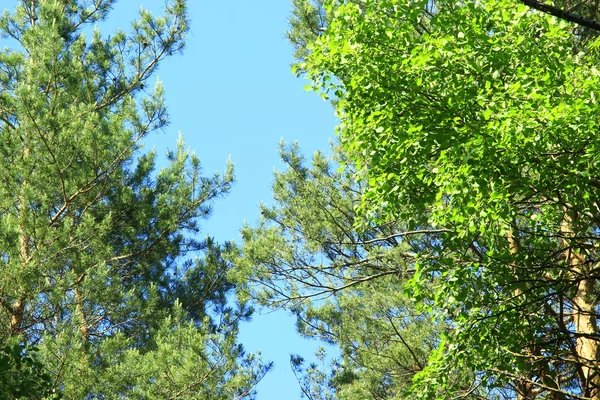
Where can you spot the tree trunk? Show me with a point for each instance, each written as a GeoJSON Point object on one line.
{"type": "Point", "coordinates": [84, 329]}
{"type": "Point", "coordinates": [18, 306]}
{"type": "Point", "coordinates": [584, 319]}
{"type": "Point", "coordinates": [16, 317]}
{"type": "Point", "coordinates": [584, 314]}
{"type": "Point", "coordinates": [524, 387]}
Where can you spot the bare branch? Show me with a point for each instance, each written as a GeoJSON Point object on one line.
{"type": "Point", "coordinates": [396, 235]}
{"type": "Point", "coordinates": [562, 14]}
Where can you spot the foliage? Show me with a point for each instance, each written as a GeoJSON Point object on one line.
{"type": "Point", "coordinates": [309, 19]}
{"type": "Point", "coordinates": [97, 245]}
{"type": "Point", "coordinates": [316, 381]}
{"type": "Point", "coordinates": [22, 375]}
{"type": "Point", "coordinates": [480, 120]}
{"type": "Point", "coordinates": [346, 286]}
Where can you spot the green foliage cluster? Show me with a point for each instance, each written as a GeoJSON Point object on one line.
{"type": "Point", "coordinates": [479, 120]}
{"type": "Point", "coordinates": [22, 375]}
{"type": "Point", "coordinates": [308, 20]}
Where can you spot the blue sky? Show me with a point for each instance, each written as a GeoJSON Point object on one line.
{"type": "Point", "coordinates": [232, 94]}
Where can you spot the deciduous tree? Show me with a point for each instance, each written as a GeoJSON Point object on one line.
{"type": "Point", "coordinates": [480, 120]}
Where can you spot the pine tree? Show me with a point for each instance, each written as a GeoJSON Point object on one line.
{"type": "Point", "coordinates": [344, 281]}
{"type": "Point", "coordinates": [100, 259]}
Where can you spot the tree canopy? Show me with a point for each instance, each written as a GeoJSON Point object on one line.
{"type": "Point", "coordinates": [345, 284]}
{"type": "Point", "coordinates": [449, 246]}
{"type": "Point", "coordinates": [101, 266]}
{"type": "Point", "coordinates": [479, 120]}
